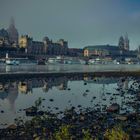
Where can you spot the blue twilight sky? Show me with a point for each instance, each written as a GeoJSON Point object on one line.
{"type": "Point", "coordinates": [81, 22]}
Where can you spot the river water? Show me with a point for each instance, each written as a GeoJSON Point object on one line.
{"type": "Point", "coordinates": [62, 93]}
{"type": "Point", "coordinates": [67, 68]}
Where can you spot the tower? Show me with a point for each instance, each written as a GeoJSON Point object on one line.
{"type": "Point", "coordinates": [121, 43]}
{"type": "Point", "coordinates": [126, 42]}
{"type": "Point", "coordinates": [12, 31]}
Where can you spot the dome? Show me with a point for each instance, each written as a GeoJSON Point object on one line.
{"type": "Point", "coordinates": [13, 33]}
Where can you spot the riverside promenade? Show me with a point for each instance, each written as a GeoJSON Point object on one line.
{"type": "Point", "coordinates": [23, 70]}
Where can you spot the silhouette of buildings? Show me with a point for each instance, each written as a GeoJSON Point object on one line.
{"type": "Point", "coordinates": [11, 42]}
{"type": "Point", "coordinates": [120, 51]}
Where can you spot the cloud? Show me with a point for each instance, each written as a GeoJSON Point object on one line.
{"type": "Point", "coordinates": [81, 22]}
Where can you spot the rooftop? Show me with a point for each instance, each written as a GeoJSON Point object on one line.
{"type": "Point", "coordinates": [102, 47]}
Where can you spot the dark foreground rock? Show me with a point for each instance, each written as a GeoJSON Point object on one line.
{"type": "Point", "coordinates": [45, 125]}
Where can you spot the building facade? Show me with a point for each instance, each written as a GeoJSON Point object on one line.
{"type": "Point", "coordinates": [46, 46]}
{"type": "Point", "coordinates": [101, 50]}
{"type": "Point", "coordinates": [25, 43]}
{"type": "Point", "coordinates": [4, 38]}
{"type": "Point", "coordinates": [37, 47]}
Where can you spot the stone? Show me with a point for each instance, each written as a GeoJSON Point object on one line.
{"type": "Point", "coordinates": [2, 111]}
{"type": "Point", "coordinates": [51, 100]}
{"type": "Point", "coordinates": [12, 126]}
{"type": "Point", "coordinates": [85, 83]}
{"type": "Point", "coordinates": [121, 118]}
{"type": "Point", "coordinates": [31, 111]}
{"type": "Point", "coordinates": [113, 108]}
{"type": "Point", "coordinates": [136, 137]}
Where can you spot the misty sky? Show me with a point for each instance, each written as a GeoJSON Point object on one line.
{"type": "Point", "coordinates": [81, 22]}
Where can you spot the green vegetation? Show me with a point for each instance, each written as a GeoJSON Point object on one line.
{"type": "Point", "coordinates": [63, 133]}
{"type": "Point", "coordinates": [116, 133]}
{"type": "Point", "coordinates": [87, 135]}
{"type": "Point", "coordinates": [38, 103]}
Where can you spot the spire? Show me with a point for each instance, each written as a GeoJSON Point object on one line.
{"type": "Point", "coordinates": [126, 42]}
{"type": "Point", "coordinates": [121, 43]}
{"type": "Point", "coordinates": [12, 21]}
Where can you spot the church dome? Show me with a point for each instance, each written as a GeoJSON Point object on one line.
{"type": "Point", "coordinates": [12, 31]}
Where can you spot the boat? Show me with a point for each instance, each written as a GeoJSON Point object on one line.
{"type": "Point", "coordinates": [52, 61]}
{"type": "Point", "coordinates": [11, 61]}
{"type": "Point", "coordinates": [57, 60]}
{"type": "Point", "coordinates": [64, 60]}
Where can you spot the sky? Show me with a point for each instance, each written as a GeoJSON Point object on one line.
{"type": "Point", "coordinates": [80, 22]}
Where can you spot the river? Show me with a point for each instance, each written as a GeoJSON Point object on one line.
{"type": "Point", "coordinates": [62, 93]}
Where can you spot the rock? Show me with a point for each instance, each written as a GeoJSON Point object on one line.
{"type": "Point", "coordinates": [35, 135]}
{"type": "Point", "coordinates": [40, 113]}
{"type": "Point", "coordinates": [113, 108]}
{"type": "Point", "coordinates": [85, 83]}
{"type": "Point", "coordinates": [2, 111]}
{"type": "Point", "coordinates": [12, 126]}
{"type": "Point", "coordinates": [82, 118]}
{"type": "Point", "coordinates": [31, 111]}
{"type": "Point", "coordinates": [136, 137]}
{"type": "Point", "coordinates": [51, 100]}
{"type": "Point", "coordinates": [132, 116]}
{"type": "Point", "coordinates": [22, 133]}
{"type": "Point", "coordinates": [56, 108]}
{"type": "Point", "coordinates": [121, 118]}
{"type": "Point", "coordinates": [84, 94]}
{"type": "Point", "coordinates": [138, 96]}
{"type": "Point", "coordinates": [79, 106]}
{"type": "Point", "coordinates": [37, 138]}
{"type": "Point", "coordinates": [87, 90]}
{"type": "Point", "coordinates": [108, 93]}
{"type": "Point", "coordinates": [69, 89]}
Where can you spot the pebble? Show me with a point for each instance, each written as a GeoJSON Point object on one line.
{"type": "Point", "coordinates": [51, 100]}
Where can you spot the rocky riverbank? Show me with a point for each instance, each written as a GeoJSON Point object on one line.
{"type": "Point", "coordinates": [80, 123]}
{"type": "Point", "coordinates": [45, 125]}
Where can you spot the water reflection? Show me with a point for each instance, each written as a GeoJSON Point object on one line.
{"type": "Point", "coordinates": [65, 92]}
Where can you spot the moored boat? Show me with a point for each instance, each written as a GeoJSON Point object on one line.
{"type": "Point", "coordinates": [12, 62]}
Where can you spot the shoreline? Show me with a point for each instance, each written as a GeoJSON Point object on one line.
{"type": "Point", "coordinates": [69, 74]}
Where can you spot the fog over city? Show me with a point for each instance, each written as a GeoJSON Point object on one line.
{"type": "Point", "coordinates": [80, 22]}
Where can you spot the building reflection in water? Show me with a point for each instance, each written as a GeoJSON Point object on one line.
{"type": "Point", "coordinates": [28, 85]}
{"type": "Point", "coordinates": [122, 83]}
{"type": "Point", "coordinates": [9, 93]}
{"type": "Point", "coordinates": [9, 90]}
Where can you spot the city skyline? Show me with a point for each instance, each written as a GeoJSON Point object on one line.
{"type": "Point", "coordinates": [80, 22]}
